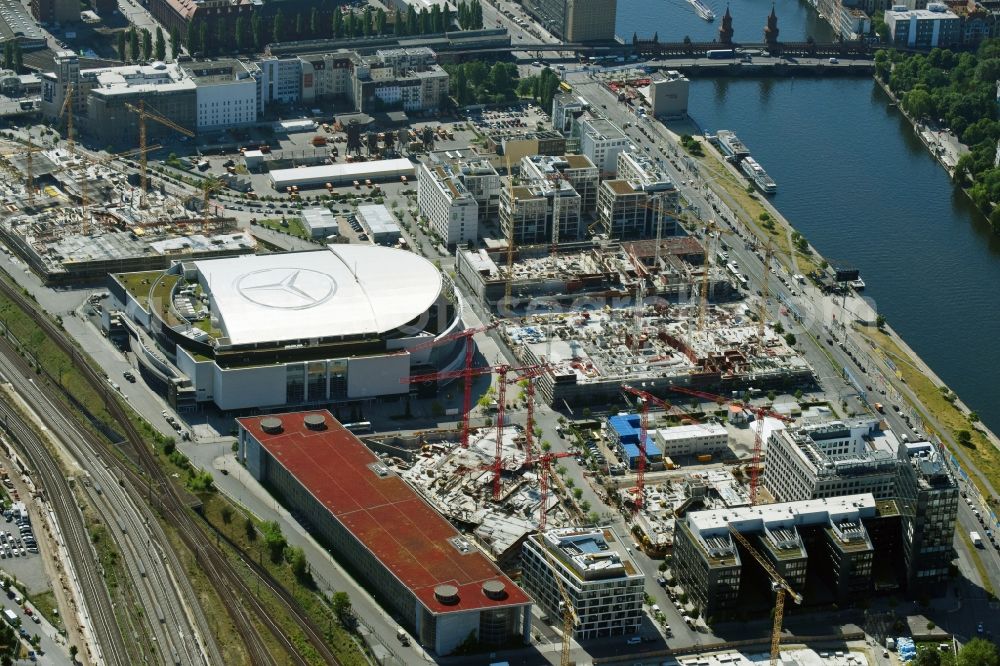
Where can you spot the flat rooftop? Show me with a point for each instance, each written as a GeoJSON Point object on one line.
{"type": "Point", "coordinates": [773, 516]}
{"type": "Point", "coordinates": [344, 290]}
{"type": "Point", "coordinates": [411, 540]}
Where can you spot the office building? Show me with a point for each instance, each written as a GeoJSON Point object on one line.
{"type": "Point", "coordinates": [830, 459]}
{"type": "Point", "coordinates": [827, 539]}
{"type": "Point", "coordinates": [928, 498]}
{"type": "Point", "coordinates": [601, 142]}
{"type": "Point", "coordinates": [662, 198]}
{"type": "Point", "coordinates": [576, 21]}
{"type": "Point", "coordinates": [545, 207]}
{"type": "Point", "coordinates": [836, 458]}
{"type": "Point", "coordinates": [406, 554]}
{"type": "Point", "coordinates": [478, 175]}
{"type": "Point", "coordinates": [566, 108]}
{"type": "Point", "coordinates": [604, 584]}
{"type": "Point", "coordinates": [449, 207]}
{"type": "Point", "coordinates": [936, 26]}
{"type": "Point", "coordinates": [692, 440]}
{"type": "Point", "coordinates": [225, 94]}
{"type": "Point", "coordinates": [668, 94]}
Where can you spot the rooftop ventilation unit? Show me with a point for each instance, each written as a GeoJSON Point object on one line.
{"type": "Point", "coordinates": [315, 421]}
{"type": "Point", "coordinates": [446, 594]}
{"type": "Point", "coordinates": [495, 589]}
{"type": "Point", "coordinates": [271, 425]}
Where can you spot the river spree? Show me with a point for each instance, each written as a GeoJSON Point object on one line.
{"type": "Point", "coordinates": [855, 180]}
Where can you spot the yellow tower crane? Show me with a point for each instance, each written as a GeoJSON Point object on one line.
{"type": "Point", "coordinates": [30, 167]}
{"type": "Point", "coordinates": [145, 114]}
{"type": "Point", "coordinates": [765, 292]}
{"type": "Point", "coordinates": [67, 111]}
{"type": "Point", "coordinates": [208, 187]}
{"type": "Point", "coordinates": [569, 615]}
{"type": "Point", "coordinates": [781, 588]}
{"type": "Point", "coordinates": [711, 229]}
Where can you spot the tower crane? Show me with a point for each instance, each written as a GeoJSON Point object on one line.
{"type": "Point", "coordinates": [510, 236]}
{"type": "Point", "coordinates": [758, 439]}
{"type": "Point", "coordinates": [645, 398]}
{"type": "Point", "coordinates": [711, 229]}
{"type": "Point", "coordinates": [544, 466]}
{"type": "Point", "coordinates": [208, 187]}
{"type": "Point", "coordinates": [569, 615]}
{"type": "Point", "coordinates": [67, 111]}
{"type": "Point", "coordinates": [30, 168]}
{"type": "Point", "coordinates": [144, 114]}
{"type": "Point", "coordinates": [781, 588]}
{"type": "Point", "coordinates": [528, 375]}
{"type": "Point", "coordinates": [765, 290]}
{"type": "Point", "coordinates": [467, 372]}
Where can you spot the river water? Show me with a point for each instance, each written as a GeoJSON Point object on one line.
{"type": "Point", "coordinates": [855, 180]}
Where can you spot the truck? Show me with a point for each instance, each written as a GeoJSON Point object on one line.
{"type": "Point", "coordinates": [720, 54]}
{"type": "Point", "coordinates": [977, 540]}
{"type": "Point", "coordinates": [705, 457]}
{"type": "Point", "coordinates": [319, 140]}
{"type": "Point", "coordinates": [9, 615]}
{"type": "Point", "coordinates": [401, 636]}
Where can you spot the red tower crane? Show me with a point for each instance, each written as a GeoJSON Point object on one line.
{"type": "Point", "coordinates": [758, 439]}
{"type": "Point", "coordinates": [544, 465]}
{"type": "Point", "coordinates": [529, 373]}
{"type": "Point", "coordinates": [467, 373]}
{"type": "Point", "coordinates": [644, 398]}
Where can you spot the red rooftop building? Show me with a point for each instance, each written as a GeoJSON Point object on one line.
{"type": "Point", "coordinates": [413, 560]}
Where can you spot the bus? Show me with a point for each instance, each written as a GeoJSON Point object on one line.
{"type": "Point", "coordinates": [721, 54]}
{"type": "Point", "coordinates": [565, 87]}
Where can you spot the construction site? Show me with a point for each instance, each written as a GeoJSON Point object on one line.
{"type": "Point", "coordinates": [672, 268]}
{"type": "Point", "coordinates": [75, 215]}
{"type": "Point", "coordinates": [498, 506]}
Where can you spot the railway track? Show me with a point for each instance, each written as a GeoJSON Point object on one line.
{"type": "Point", "coordinates": [159, 593]}
{"type": "Point", "coordinates": [234, 591]}
{"type": "Point", "coordinates": [98, 609]}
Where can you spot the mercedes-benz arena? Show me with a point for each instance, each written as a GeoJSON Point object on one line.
{"type": "Point", "coordinates": [303, 328]}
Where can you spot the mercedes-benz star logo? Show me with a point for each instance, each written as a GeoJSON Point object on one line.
{"type": "Point", "coordinates": [286, 288]}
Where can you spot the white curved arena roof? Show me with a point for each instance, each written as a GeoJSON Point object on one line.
{"type": "Point", "coordinates": [345, 290]}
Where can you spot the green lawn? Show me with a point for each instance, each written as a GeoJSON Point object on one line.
{"type": "Point", "coordinates": [293, 226]}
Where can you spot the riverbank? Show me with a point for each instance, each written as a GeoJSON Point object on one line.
{"type": "Point", "coordinates": [942, 144]}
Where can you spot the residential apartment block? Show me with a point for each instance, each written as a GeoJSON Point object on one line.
{"type": "Point", "coordinates": [603, 582]}
{"type": "Point", "coordinates": [936, 26]}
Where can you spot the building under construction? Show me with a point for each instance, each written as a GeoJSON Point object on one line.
{"type": "Point", "coordinates": [458, 482]}
{"type": "Point", "coordinates": [74, 217]}
{"type": "Point", "coordinates": [671, 269]}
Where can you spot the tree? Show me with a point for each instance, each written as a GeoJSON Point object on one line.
{"type": "Point", "coordinates": [274, 540]}
{"type": "Point", "coordinates": [300, 567]}
{"type": "Point", "coordinates": [147, 45]}
{"type": "Point", "coordinates": [928, 656]}
{"type": "Point", "coordinates": [18, 58]}
{"type": "Point", "coordinates": [73, 651]}
{"type": "Point", "coordinates": [203, 37]}
{"type": "Point", "coordinates": [250, 529]}
{"type": "Point", "coordinates": [577, 493]}
{"type": "Point", "coordinates": [398, 26]}
{"type": "Point", "coordinates": [122, 46]}
{"type": "Point", "coordinates": [241, 36]}
{"type": "Point", "coordinates": [314, 24]}
{"type": "Point", "coordinates": [341, 604]}
{"type": "Point", "coordinates": [380, 21]}
{"type": "Point", "coordinates": [133, 44]}
{"type": "Point", "coordinates": [227, 514]}
{"type": "Point", "coordinates": [918, 103]}
{"type": "Point", "coordinates": [257, 30]}
{"type": "Point", "coordinates": [175, 43]}
{"type": "Point", "coordinates": [978, 652]}
{"type": "Point", "coordinates": [964, 437]}
{"type": "Point", "coordinates": [880, 321]}
{"type": "Point", "coordinates": [300, 26]}
{"type": "Point", "coordinates": [585, 506]}
{"type": "Point", "coordinates": [278, 27]}
{"type": "Point", "coordinates": [790, 339]}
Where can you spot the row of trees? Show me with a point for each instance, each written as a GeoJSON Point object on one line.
{"type": "Point", "coordinates": [476, 82]}
{"type": "Point", "coordinates": [12, 57]}
{"type": "Point", "coordinates": [321, 22]}
{"type": "Point", "coordinates": [541, 88]}
{"type": "Point", "coordinates": [134, 45]}
{"type": "Point", "coordinates": [977, 652]}
{"type": "Point", "coordinates": [957, 91]}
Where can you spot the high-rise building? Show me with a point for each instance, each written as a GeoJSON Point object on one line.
{"type": "Point", "coordinates": [447, 204]}
{"type": "Point", "coordinates": [602, 142]}
{"type": "Point", "coordinates": [55, 11]}
{"type": "Point", "coordinates": [576, 21]}
{"type": "Point", "coordinates": [603, 582]}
